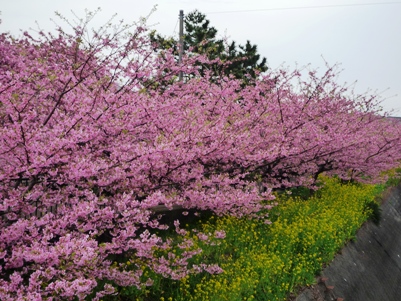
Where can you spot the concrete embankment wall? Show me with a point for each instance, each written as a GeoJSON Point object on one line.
{"type": "Point", "coordinates": [369, 268]}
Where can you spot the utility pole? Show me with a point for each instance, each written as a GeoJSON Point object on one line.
{"type": "Point", "coordinates": [181, 42]}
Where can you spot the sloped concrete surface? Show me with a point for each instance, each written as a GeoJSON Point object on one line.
{"type": "Point", "coordinates": [369, 268]}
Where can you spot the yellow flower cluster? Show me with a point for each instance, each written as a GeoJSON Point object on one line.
{"type": "Point", "coordinates": [268, 262]}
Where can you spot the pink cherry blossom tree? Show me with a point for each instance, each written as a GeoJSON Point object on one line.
{"type": "Point", "coordinates": [96, 131]}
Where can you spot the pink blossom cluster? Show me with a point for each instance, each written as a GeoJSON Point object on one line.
{"type": "Point", "coordinates": [95, 133]}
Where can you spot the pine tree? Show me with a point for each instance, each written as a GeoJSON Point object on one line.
{"type": "Point", "coordinates": [200, 37]}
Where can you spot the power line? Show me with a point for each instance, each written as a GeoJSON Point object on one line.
{"type": "Point", "coordinates": [302, 7]}
{"type": "Point", "coordinates": [175, 27]}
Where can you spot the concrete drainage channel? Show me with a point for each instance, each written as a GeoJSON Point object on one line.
{"type": "Point", "coordinates": [369, 268]}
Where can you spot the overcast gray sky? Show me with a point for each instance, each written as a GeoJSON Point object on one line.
{"type": "Point", "coordinates": [364, 38]}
